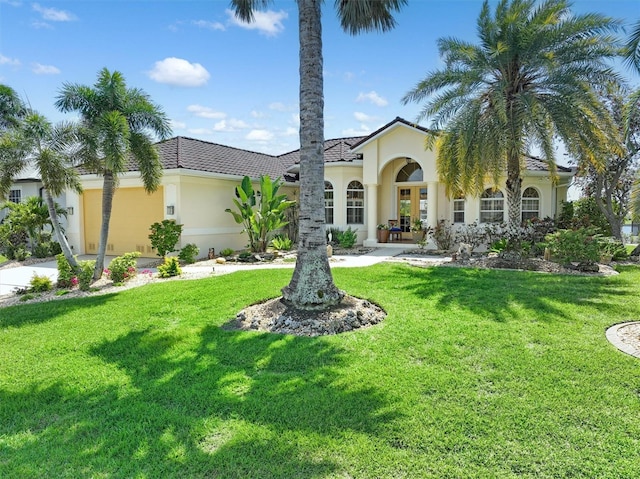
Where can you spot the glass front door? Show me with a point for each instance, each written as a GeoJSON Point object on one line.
{"type": "Point", "coordinates": [412, 204]}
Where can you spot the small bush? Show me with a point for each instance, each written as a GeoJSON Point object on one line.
{"type": "Point", "coordinates": [227, 252]}
{"type": "Point", "coordinates": [189, 253]}
{"type": "Point", "coordinates": [471, 234]}
{"type": "Point", "coordinates": [581, 245]}
{"type": "Point", "coordinates": [443, 236]}
{"type": "Point", "coordinates": [27, 297]}
{"type": "Point", "coordinates": [282, 243]}
{"type": "Point", "coordinates": [164, 236]}
{"type": "Point", "coordinates": [40, 284]}
{"type": "Point", "coordinates": [347, 239]}
{"type": "Point", "coordinates": [123, 267]}
{"type": "Point", "coordinates": [19, 254]}
{"type": "Point", "coordinates": [170, 268]}
{"type": "Point", "coordinates": [65, 272]}
{"type": "Point", "coordinates": [613, 247]}
{"type": "Point", "coordinates": [85, 274]}
{"type": "Point", "coordinates": [333, 234]}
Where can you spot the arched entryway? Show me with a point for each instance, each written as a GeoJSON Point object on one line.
{"type": "Point", "coordinates": [412, 196]}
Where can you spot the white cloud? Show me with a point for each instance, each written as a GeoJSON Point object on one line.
{"type": "Point", "coordinates": [179, 72]}
{"type": "Point", "coordinates": [268, 23]}
{"type": "Point", "coordinates": [363, 117]}
{"type": "Point", "coordinates": [290, 131]}
{"type": "Point", "coordinates": [372, 97]}
{"type": "Point", "coordinates": [14, 62]}
{"type": "Point", "coordinates": [230, 125]}
{"type": "Point", "coordinates": [40, 69]}
{"type": "Point", "coordinates": [362, 131]}
{"type": "Point", "coordinates": [295, 119]}
{"type": "Point", "coordinates": [199, 131]}
{"type": "Point", "coordinates": [206, 112]}
{"type": "Point", "coordinates": [257, 114]}
{"type": "Point", "coordinates": [277, 106]}
{"type": "Point", "coordinates": [259, 135]}
{"type": "Point", "coordinates": [53, 14]}
{"type": "Point", "coordinates": [12, 3]}
{"type": "Point", "coordinates": [178, 125]}
{"type": "Point", "coordinates": [208, 25]}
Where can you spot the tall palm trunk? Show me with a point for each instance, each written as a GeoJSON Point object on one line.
{"type": "Point", "coordinates": [514, 191]}
{"type": "Point", "coordinates": [108, 189]}
{"type": "Point", "coordinates": [59, 235]}
{"type": "Point", "coordinates": [311, 286]}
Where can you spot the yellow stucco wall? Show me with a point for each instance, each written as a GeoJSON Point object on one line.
{"type": "Point", "coordinates": [133, 212]}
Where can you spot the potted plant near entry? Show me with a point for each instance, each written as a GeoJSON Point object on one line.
{"type": "Point", "coordinates": [417, 230]}
{"type": "Point", "coordinates": [383, 233]}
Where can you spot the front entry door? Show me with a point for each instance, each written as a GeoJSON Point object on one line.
{"type": "Point", "coordinates": [412, 204]}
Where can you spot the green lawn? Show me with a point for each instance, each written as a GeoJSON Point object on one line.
{"type": "Point", "coordinates": [474, 373]}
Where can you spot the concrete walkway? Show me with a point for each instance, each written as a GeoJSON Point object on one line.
{"type": "Point", "coordinates": [20, 277]}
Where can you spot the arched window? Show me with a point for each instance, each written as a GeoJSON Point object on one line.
{"type": "Point", "coordinates": [355, 203]}
{"type": "Point", "coordinates": [530, 204]}
{"type": "Point", "coordinates": [409, 172]}
{"type": "Point", "coordinates": [492, 206]}
{"type": "Point", "coordinates": [328, 203]}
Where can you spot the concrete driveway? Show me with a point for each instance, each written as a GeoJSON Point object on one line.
{"type": "Point", "coordinates": [19, 277]}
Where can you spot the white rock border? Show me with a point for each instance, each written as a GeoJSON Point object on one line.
{"type": "Point", "coordinates": [613, 337]}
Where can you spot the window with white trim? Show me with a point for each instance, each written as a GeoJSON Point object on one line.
{"type": "Point", "coordinates": [328, 203]}
{"type": "Point", "coordinates": [15, 196]}
{"type": "Point", "coordinates": [355, 203]}
{"type": "Point", "coordinates": [458, 209]}
{"type": "Point", "coordinates": [492, 206]}
{"type": "Point", "coordinates": [530, 204]}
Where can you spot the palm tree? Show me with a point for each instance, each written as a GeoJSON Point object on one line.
{"type": "Point", "coordinates": [51, 150]}
{"type": "Point", "coordinates": [312, 285]}
{"type": "Point", "coordinates": [632, 47]}
{"type": "Point", "coordinates": [530, 79]}
{"type": "Point", "coordinates": [116, 122]}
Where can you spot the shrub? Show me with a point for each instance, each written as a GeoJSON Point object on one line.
{"type": "Point", "coordinates": [123, 267]}
{"type": "Point", "coordinates": [85, 274]}
{"type": "Point", "coordinates": [227, 252]}
{"type": "Point", "coordinates": [164, 236]}
{"type": "Point", "coordinates": [333, 234]}
{"type": "Point", "coordinates": [613, 247]}
{"type": "Point", "coordinates": [19, 254]}
{"type": "Point", "coordinates": [581, 245]}
{"type": "Point", "coordinates": [470, 234]}
{"type": "Point", "coordinates": [347, 239]}
{"type": "Point", "coordinates": [40, 284]}
{"type": "Point", "coordinates": [443, 236]}
{"type": "Point", "coordinates": [282, 243]}
{"type": "Point", "coordinates": [171, 267]}
{"type": "Point", "coordinates": [189, 253]}
{"type": "Point", "coordinates": [65, 272]}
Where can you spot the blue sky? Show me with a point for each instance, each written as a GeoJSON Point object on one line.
{"type": "Point", "coordinates": [232, 83]}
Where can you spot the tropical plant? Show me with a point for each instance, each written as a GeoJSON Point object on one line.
{"type": "Point", "coordinates": [66, 274]}
{"type": "Point", "coordinates": [51, 149]}
{"type": "Point", "coordinates": [227, 252]}
{"type": "Point", "coordinates": [443, 235]}
{"type": "Point", "coordinates": [117, 124]}
{"type": "Point", "coordinates": [261, 213]}
{"type": "Point", "coordinates": [165, 236]}
{"type": "Point", "coordinates": [40, 284]}
{"type": "Point", "coordinates": [85, 274]}
{"type": "Point", "coordinates": [529, 80]}
{"type": "Point", "coordinates": [312, 285]}
{"type": "Point", "coordinates": [580, 245]}
{"type": "Point", "coordinates": [282, 243]}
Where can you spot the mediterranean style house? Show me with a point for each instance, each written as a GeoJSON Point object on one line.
{"type": "Point", "coordinates": [387, 176]}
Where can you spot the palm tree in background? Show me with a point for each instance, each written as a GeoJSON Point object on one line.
{"type": "Point", "coordinates": [312, 285]}
{"type": "Point", "coordinates": [530, 80]}
{"type": "Point", "coordinates": [116, 123]}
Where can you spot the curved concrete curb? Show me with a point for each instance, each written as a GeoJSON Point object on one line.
{"type": "Point", "coordinates": [613, 336]}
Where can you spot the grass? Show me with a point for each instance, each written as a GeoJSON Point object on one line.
{"type": "Point", "coordinates": [2, 259]}
{"type": "Point", "coordinates": [474, 373]}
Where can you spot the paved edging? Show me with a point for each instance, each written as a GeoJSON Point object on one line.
{"type": "Point", "coordinates": [614, 338]}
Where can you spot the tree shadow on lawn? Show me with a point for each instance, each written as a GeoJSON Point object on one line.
{"type": "Point", "coordinates": [501, 295]}
{"type": "Point", "coordinates": [35, 313]}
{"type": "Point", "coordinates": [220, 404]}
